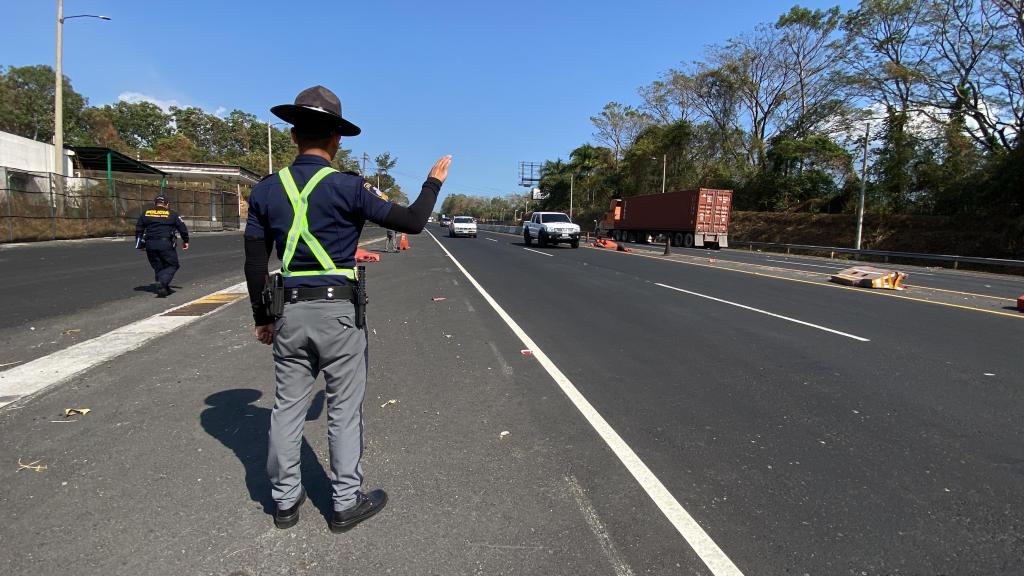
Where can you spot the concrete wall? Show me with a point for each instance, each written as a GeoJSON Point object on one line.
{"type": "Point", "coordinates": [26, 154]}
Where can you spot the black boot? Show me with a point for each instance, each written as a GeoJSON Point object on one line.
{"type": "Point", "coordinates": [290, 516]}
{"type": "Point", "coordinates": [367, 504]}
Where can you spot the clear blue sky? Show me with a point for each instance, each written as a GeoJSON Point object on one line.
{"type": "Point", "coordinates": [491, 83]}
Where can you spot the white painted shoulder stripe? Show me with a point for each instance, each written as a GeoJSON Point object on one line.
{"type": "Point", "coordinates": [714, 558]}
{"type": "Point", "coordinates": [52, 369]}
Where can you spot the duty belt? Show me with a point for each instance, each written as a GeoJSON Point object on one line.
{"type": "Point", "coordinates": [303, 294]}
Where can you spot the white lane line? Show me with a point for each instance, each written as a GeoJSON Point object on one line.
{"type": "Point", "coordinates": [714, 558]}
{"type": "Point", "coordinates": [47, 371]}
{"type": "Point", "coordinates": [537, 251]}
{"type": "Point", "coordinates": [491, 239]}
{"type": "Point", "coordinates": [765, 312]}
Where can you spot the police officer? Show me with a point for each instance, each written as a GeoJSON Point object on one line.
{"type": "Point", "coordinates": [314, 215]}
{"type": "Point", "coordinates": [155, 227]}
{"type": "Point", "coordinates": [391, 245]}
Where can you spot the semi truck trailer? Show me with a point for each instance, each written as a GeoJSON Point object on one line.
{"type": "Point", "coordinates": [687, 218]}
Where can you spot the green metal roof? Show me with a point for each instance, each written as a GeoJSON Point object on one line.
{"type": "Point", "coordinates": [96, 158]}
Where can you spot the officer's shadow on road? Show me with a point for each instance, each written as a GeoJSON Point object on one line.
{"type": "Point", "coordinates": [153, 288]}
{"type": "Point", "coordinates": [234, 419]}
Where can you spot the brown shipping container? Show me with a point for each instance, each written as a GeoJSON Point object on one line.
{"type": "Point", "coordinates": [704, 212]}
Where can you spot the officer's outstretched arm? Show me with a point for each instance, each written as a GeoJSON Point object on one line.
{"type": "Point", "coordinates": [413, 218]}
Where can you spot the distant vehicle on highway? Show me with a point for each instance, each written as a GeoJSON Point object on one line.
{"type": "Point", "coordinates": [551, 228]}
{"type": "Point", "coordinates": [688, 218]}
{"type": "Point", "coordinates": [445, 221]}
{"type": "Point", "coordinates": [462, 226]}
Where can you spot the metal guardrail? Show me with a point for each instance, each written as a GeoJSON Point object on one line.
{"type": "Point", "coordinates": [956, 260]}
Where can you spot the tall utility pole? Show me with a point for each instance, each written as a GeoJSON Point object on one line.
{"type": "Point", "coordinates": [58, 97]}
{"type": "Point", "coordinates": [863, 187]}
{"type": "Point", "coordinates": [366, 158]}
{"type": "Point", "coordinates": [571, 178]}
{"type": "Point", "coordinates": [664, 169]}
{"type": "Point", "coordinates": [270, 151]}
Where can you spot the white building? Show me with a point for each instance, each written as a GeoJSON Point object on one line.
{"type": "Point", "coordinates": [27, 155]}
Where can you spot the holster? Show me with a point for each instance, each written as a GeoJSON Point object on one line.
{"type": "Point", "coordinates": [272, 296]}
{"type": "Point", "coordinates": [360, 297]}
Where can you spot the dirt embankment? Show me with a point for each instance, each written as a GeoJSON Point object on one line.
{"type": "Point", "coordinates": [923, 234]}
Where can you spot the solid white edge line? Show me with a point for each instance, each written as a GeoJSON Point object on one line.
{"type": "Point", "coordinates": [55, 368]}
{"type": "Point", "coordinates": [713, 557]}
{"type": "Point", "coordinates": [537, 252]}
{"type": "Point", "coordinates": [765, 312]}
{"type": "Point", "coordinates": [491, 239]}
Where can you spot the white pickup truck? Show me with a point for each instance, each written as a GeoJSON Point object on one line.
{"type": "Point", "coordinates": [551, 228]}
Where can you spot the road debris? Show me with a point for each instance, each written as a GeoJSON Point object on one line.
{"type": "Point", "coordinates": [392, 401]}
{"type": "Point", "coordinates": [34, 466]}
{"type": "Point", "coordinates": [76, 412]}
{"type": "Point", "coordinates": [526, 352]}
{"type": "Point", "coordinates": [71, 331]}
{"type": "Point", "coordinates": [504, 433]}
{"type": "Point", "coordinates": [438, 298]}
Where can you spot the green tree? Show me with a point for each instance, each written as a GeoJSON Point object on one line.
{"type": "Point", "coordinates": [26, 103]}
{"type": "Point", "coordinates": [140, 124]}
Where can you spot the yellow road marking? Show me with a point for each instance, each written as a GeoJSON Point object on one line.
{"type": "Point", "coordinates": [222, 298]}
{"type": "Point", "coordinates": [821, 284]}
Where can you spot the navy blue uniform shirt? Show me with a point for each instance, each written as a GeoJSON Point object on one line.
{"type": "Point", "coordinates": [339, 206]}
{"type": "Point", "coordinates": [159, 224]}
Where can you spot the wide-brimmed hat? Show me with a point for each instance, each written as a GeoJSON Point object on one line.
{"type": "Point", "coordinates": [316, 107]}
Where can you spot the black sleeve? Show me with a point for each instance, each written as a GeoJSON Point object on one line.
{"type": "Point", "coordinates": [139, 226]}
{"type": "Point", "coordinates": [257, 255]}
{"type": "Point", "coordinates": [413, 218]}
{"type": "Point", "coordinates": [182, 229]}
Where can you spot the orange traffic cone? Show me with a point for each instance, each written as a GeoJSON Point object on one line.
{"type": "Point", "coordinates": [403, 244]}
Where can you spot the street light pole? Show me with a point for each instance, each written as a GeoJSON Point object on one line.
{"type": "Point", "coordinates": [58, 95]}
{"type": "Point", "coordinates": [863, 188]}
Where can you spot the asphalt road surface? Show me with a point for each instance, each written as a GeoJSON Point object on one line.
{"type": "Point", "coordinates": [671, 418]}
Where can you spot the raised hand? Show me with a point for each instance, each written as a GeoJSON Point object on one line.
{"type": "Point", "coordinates": [440, 169]}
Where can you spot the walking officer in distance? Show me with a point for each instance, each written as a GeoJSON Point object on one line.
{"type": "Point", "coordinates": [314, 215]}
{"type": "Point", "coordinates": [155, 230]}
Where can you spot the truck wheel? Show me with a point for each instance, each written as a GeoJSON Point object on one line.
{"type": "Point", "coordinates": [630, 236]}
{"type": "Point", "coordinates": [677, 239]}
{"type": "Point", "coordinates": [526, 237]}
{"type": "Point", "coordinates": [575, 243]}
{"type": "Point", "coordinates": [688, 240]}
{"type": "Point", "coordinates": [542, 239]}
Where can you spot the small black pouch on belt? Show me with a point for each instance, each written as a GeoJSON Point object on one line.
{"type": "Point", "coordinates": [359, 298]}
{"type": "Point", "coordinates": [273, 296]}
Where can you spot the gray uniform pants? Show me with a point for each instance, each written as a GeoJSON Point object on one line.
{"type": "Point", "coordinates": [392, 242]}
{"type": "Point", "coordinates": [313, 337]}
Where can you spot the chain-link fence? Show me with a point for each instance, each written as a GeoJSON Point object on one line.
{"type": "Point", "coordinates": [44, 206]}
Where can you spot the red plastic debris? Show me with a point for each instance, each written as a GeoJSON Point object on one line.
{"type": "Point", "coordinates": [438, 298]}
{"type": "Point", "coordinates": [364, 256]}
{"type": "Point", "coordinates": [1020, 303]}
{"type": "Point", "coordinates": [526, 352]}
